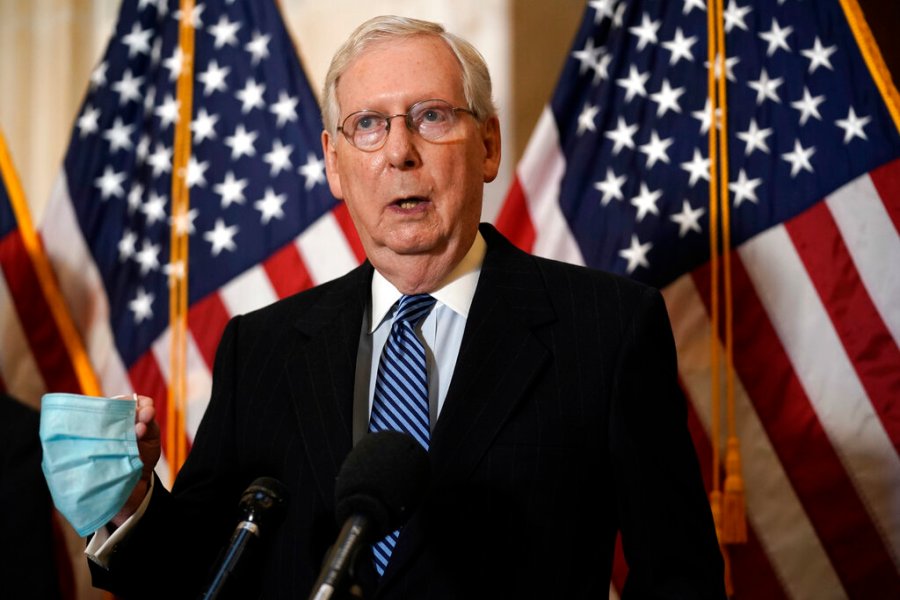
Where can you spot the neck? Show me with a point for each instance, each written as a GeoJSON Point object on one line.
{"type": "Point", "coordinates": [419, 273]}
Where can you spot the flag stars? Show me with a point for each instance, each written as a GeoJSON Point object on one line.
{"type": "Point", "coordinates": [730, 62]}
{"type": "Point", "coordinates": [622, 135]}
{"type": "Point", "coordinates": [175, 63]}
{"type": "Point", "coordinates": [587, 56]}
{"type": "Point", "coordinates": [680, 47]}
{"type": "Point", "coordinates": [184, 223]}
{"type": "Point", "coordinates": [602, 9]}
{"type": "Point", "coordinates": [167, 111]}
{"type": "Point", "coordinates": [135, 197]}
{"type": "Point", "coordinates": [808, 106]}
{"type": "Point", "coordinates": [138, 41]}
{"type": "Point", "coordinates": [776, 37]}
{"type": "Point", "coordinates": [126, 245]}
{"type": "Point", "coordinates": [690, 5]}
{"type": "Point", "coordinates": [119, 136]}
{"type": "Point", "coordinates": [148, 257]}
{"type": "Point", "coordinates": [285, 109]}
{"type": "Point", "coordinates": [204, 126]}
{"type": "Point", "coordinates": [705, 117]}
{"type": "Point", "coordinates": [586, 118]}
{"type": "Point", "coordinates": [853, 126]}
{"type": "Point", "coordinates": [154, 208]}
{"type": "Point", "coordinates": [141, 306]}
{"type": "Point", "coordinates": [755, 138]}
{"type": "Point", "coordinates": [688, 219]}
{"type": "Point", "coordinates": [192, 16]}
{"type": "Point", "coordinates": [258, 47]}
{"type": "Point", "coordinates": [225, 32]}
{"type": "Point", "coordinates": [744, 188]}
{"type": "Point", "coordinates": [766, 88]}
{"type": "Point", "coordinates": [98, 75]}
{"type": "Point", "coordinates": [611, 187]}
{"type": "Point", "coordinates": [313, 171]}
{"type": "Point", "coordinates": [110, 183]}
{"type": "Point", "coordinates": [646, 31]}
{"type": "Point", "coordinates": [819, 55]}
{"type": "Point", "coordinates": [667, 99]}
{"type": "Point", "coordinates": [241, 143]}
{"type": "Point", "coordinates": [656, 149]}
{"type": "Point", "coordinates": [645, 202]}
{"type": "Point", "coordinates": [251, 96]}
{"type": "Point", "coordinates": [87, 122]}
{"type": "Point", "coordinates": [601, 68]}
{"type": "Point", "coordinates": [270, 206]}
{"type": "Point", "coordinates": [734, 16]}
{"type": "Point", "coordinates": [196, 172]}
{"type": "Point", "coordinates": [160, 160]}
{"type": "Point", "coordinates": [799, 158]}
{"type": "Point", "coordinates": [221, 237]}
{"type": "Point", "coordinates": [279, 158]}
{"type": "Point", "coordinates": [231, 190]}
{"type": "Point", "coordinates": [213, 78]}
{"type": "Point", "coordinates": [698, 167]}
{"type": "Point", "coordinates": [636, 254]}
{"type": "Point", "coordinates": [634, 83]}
{"type": "Point", "coordinates": [128, 88]}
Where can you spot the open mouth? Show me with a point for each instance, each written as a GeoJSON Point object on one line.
{"type": "Point", "coordinates": [409, 203]}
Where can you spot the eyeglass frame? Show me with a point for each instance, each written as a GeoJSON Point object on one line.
{"type": "Point", "coordinates": [408, 122]}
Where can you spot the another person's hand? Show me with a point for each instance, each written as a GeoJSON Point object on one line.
{"type": "Point", "coordinates": [147, 430]}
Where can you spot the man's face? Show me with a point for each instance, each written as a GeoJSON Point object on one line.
{"type": "Point", "coordinates": [411, 196]}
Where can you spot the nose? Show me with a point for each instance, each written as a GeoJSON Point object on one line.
{"type": "Point", "coordinates": [399, 147]}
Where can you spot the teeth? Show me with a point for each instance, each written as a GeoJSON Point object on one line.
{"type": "Point", "coordinates": [408, 203]}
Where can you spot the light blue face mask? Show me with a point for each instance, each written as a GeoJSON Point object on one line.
{"type": "Point", "coordinates": [91, 460]}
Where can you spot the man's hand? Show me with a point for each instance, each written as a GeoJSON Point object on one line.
{"type": "Point", "coordinates": [147, 430]}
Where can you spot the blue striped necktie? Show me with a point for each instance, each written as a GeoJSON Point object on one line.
{"type": "Point", "coordinates": [401, 391]}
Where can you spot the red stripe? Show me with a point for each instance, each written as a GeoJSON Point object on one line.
{"type": "Point", "coordinates": [869, 344]}
{"type": "Point", "coordinates": [207, 320]}
{"type": "Point", "coordinates": [37, 320]}
{"type": "Point", "coordinates": [3, 387]}
{"type": "Point", "coordinates": [147, 380]}
{"type": "Point", "coordinates": [887, 181]}
{"type": "Point", "coordinates": [342, 215]}
{"type": "Point", "coordinates": [752, 575]}
{"type": "Point", "coordinates": [620, 566]}
{"type": "Point", "coordinates": [514, 221]}
{"type": "Point", "coordinates": [857, 552]}
{"type": "Point", "coordinates": [286, 271]}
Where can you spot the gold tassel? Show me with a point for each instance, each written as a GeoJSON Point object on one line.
{"type": "Point", "coordinates": [734, 519]}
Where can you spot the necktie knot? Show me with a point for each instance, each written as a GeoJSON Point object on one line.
{"type": "Point", "coordinates": [412, 309]}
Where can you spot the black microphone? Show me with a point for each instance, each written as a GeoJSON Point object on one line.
{"type": "Point", "coordinates": [380, 483]}
{"type": "Point", "coordinates": [261, 500]}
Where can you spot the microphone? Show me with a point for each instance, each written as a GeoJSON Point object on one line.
{"type": "Point", "coordinates": [380, 483]}
{"type": "Point", "coordinates": [264, 497]}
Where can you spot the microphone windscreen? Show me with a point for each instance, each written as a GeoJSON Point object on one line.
{"type": "Point", "coordinates": [384, 477]}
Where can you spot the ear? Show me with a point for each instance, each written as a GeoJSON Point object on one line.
{"type": "Point", "coordinates": [490, 132]}
{"type": "Point", "coordinates": [332, 172]}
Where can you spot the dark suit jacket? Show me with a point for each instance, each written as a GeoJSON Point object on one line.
{"type": "Point", "coordinates": [563, 424]}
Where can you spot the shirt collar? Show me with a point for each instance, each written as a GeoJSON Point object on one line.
{"type": "Point", "coordinates": [455, 291]}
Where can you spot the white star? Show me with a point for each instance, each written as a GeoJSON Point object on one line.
{"type": "Point", "coordinates": [667, 98]}
{"type": "Point", "coordinates": [184, 223]}
{"type": "Point", "coordinates": [204, 126]}
{"type": "Point", "coordinates": [808, 106]}
{"type": "Point", "coordinates": [656, 149]}
{"type": "Point", "coordinates": [175, 271]}
{"type": "Point", "coordinates": [744, 188]}
{"type": "Point", "coordinates": [231, 190]}
{"type": "Point", "coordinates": [135, 196]}
{"type": "Point", "coordinates": [160, 160]}
{"type": "Point", "coordinates": [167, 111]}
{"type": "Point", "coordinates": [586, 118]}
{"type": "Point", "coordinates": [221, 237]}
{"type": "Point", "coordinates": [148, 257]}
{"type": "Point", "coordinates": [601, 69]}
{"type": "Point", "coordinates": [755, 138]}
{"type": "Point", "coordinates": [258, 47]}
{"type": "Point", "coordinates": [680, 47]}
{"type": "Point", "coordinates": [270, 206]}
{"type": "Point", "coordinates": [141, 306]}
{"type": "Point", "coordinates": [729, 66]}
{"type": "Point", "coordinates": [313, 171]}
{"type": "Point", "coordinates": [126, 245]}
{"type": "Point", "coordinates": [213, 79]}
{"type": "Point", "coordinates": [799, 158]}
{"type": "Point", "coordinates": [87, 122]}
{"type": "Point", "coordinates": [98, 75]}
{"type": "Point", "coordinates": [587, 56]}
{"type": "Point", "coordinates": [128, 88]}
{"type": "Point", "coordinates": [688, 219]}
{"type": "Point", "coordinates": [819, 56]}
{"type": "Point", "coordinates": [603, 8]}
{"type": "Point", "coordinates": [689, 5]}
{"type": "Point", "coordinates": [279, 158]}
{"type": "Point", "coordinates": [138, 41]}
{"type": "Point", "coordinates": [225, 32]}
{"type": "Point", "coordinates": [646, 202]}
{"type": "Point", "coordinates": [853, 126]}
{"type": "Point", "coordinates": [241, 143]}
{"type": "Point", "coordinates": [196, 172]}
{"type": "Point", "coordinates": [634, 83]}
{"type": "Point", "coordinates": [110, 183]}
{"type": "Point", "coordinates": [285, 109]}
{"type": "Point", "coordinates": [636, 254]}
{"type": "Point", "coordinates": [192, 16]}
{"type": "Point", "coordinates": [776, 37]}
{"type": "Point", "coordinates": [175, 63]}
{"type": "Point", "coordinates": [619, 18]}
{"type": "Point", "coordinates": [646, 31]}
{"type": "Point", "coordinates": [149, 99]}
{"type": "Point", "coordinates": [143, 148]}
{"type": "Point", "coordinates": [766, 88]}
{"type": "Point", "coordinates": [119, 136]}
{"type": "Point", "coordinates": [622, 135]}
{"type": "Point", "coordinates": [611, 187]}
{"type": "Point", "coordinates": [251, 96]}
{"type": "Point", "coordinates": [156, 53]}
{"type": "Point", "coordinates": [698, 167]}
{"type": "Point", "coordinates": [154, 208]}
{"type": "Point", "coordinates": [734, 16]}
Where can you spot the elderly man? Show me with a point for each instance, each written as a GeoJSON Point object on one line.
{"type": "Point", "coordinates": [549, 401]}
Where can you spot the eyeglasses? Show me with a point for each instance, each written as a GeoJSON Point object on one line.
{"type": "Point", "coordinates": [432, 119]}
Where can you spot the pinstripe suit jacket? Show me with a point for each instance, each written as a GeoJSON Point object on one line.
{"type": "Point", "coordinates": [563, 423]}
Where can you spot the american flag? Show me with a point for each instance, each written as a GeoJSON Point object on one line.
{"type": "Point", "coordinates": [262, 223]}
{"type": "Point", "coordinates": [616, 176]}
